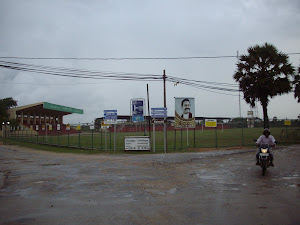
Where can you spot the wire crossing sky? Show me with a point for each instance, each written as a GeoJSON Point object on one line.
{"type": "Point", "coordinates": [67, 52]}
{"type": "Point", "coordinates": [86, 74]}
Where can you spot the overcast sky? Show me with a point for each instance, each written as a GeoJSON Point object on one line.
{"type": "Point", "coordinates": [135, 28]}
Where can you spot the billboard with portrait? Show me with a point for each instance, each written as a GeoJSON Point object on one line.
{"type": "Point", "coordinates": [184, 113]}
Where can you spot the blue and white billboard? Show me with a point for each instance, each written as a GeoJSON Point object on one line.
{"type": "Point", "coordinates": [159, 112]}
{"type": "Point", "coordinates": [137, 110]}
{"type": "Point", "coordinates": [110, 116]}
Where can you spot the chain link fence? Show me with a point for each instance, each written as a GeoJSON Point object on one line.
{"type": "Point", "coordinates": [226, 134]}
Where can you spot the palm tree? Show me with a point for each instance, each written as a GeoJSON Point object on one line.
{"type": "Point", "coordinates": [297, 85]}
{"type": "Point", "coordinates": [262, 74]}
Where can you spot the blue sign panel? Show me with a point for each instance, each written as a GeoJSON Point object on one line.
{"type": "Point", "coordinates": [159, 112]}
{"type": "Point", "coordinates": [137, 110]}
{"type": "Point", "coordinates": [110, 114]}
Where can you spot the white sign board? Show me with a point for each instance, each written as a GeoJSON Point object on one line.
{"type": "Point", "coordinates": [110, 121]}
{"type": "Point", "coordinates": [58, 126]}
{"type": "Point", "coordinates": [137, 143]}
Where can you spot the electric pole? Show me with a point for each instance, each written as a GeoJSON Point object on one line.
{"type": "Point", "coordinates": [165, 118]}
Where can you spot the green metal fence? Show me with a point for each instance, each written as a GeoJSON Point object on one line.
{"type": "Point", "coordinates": [177, 140]}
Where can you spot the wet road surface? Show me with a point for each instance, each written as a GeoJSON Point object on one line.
{"type": "Point", "coordinates": [216, 187]}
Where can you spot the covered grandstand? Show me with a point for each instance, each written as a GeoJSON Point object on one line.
{"type": "Point", "coordinates": [41, 116]}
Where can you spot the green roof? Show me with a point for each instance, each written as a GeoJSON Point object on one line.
{"type": "Point", "coordinates": [62, 108]}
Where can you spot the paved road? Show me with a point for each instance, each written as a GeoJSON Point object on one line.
{"type": "Point", "coordinates": [217, 187]}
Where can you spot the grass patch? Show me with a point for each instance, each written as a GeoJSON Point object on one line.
{"type": "Point", "coordinates": [178, 141]}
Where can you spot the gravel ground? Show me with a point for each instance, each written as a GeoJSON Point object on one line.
{"type": "Point", "coordinates": [215, 187]}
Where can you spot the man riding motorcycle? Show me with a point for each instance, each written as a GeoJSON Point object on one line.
{"type": "Point", "coordinates": [267, 139]}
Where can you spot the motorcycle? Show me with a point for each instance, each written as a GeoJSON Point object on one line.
{"type": "Point", "coordinates": [264, 157]}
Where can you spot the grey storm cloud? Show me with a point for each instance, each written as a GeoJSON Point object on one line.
{"type": "Point", "coordinates": [141, 29]}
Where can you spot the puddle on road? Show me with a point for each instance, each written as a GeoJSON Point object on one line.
{"type": "Point", "coordinates": [40, 182]}
{"type": "Point", "coordinates": [289, 178]}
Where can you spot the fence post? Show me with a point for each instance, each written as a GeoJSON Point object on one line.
{"type": "Point", "coordinates": [286, 131]}
{"type": "Point", "coordinates": [92, 139]}
{"type": "Point", "coordinates": [181, 138]}
{"type": "Point", "coordinates": [105, 138]}
{"type": "Point", "coordinates": [243, 143]}
{"type": "Point", "coordinates": [79, 138]}
{"type": "Point", "coordinates": [115, 128]}
{"type": "Point", "coordinates": [175, 140]}
{"type": "Point", "coordinates": [153, 137]}
{"type": "Point", "coordinates": [110, 141]}
{"type": "Point", "coordinates": [216, 131]}
{"type": "Point", "coordinates": [194, 137]}
{"type": "Point", "coordinates": [101, 138]}
{"type": "Point", "coordinates": [68, 138]}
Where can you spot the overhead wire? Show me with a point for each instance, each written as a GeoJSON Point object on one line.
{"type": "Point", "coordinates": [127, 58]}
{"type": "Point", "coordinates": [89, 74]}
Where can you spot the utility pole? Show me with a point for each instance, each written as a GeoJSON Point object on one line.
{"type": "Point", "coordinates": [165, 119]}
{"type": "Point", "coordinates": [237, 56]}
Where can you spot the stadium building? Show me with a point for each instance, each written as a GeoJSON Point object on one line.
{"type": "Point", "coordinates": [40, 116]}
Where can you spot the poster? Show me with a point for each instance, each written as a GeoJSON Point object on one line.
{"type": "Point", "coordinates": [137, 107]}
{"type": "Point", "coordinates": [184, 113]}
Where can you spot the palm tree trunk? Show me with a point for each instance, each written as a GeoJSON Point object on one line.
{"type": "Point", "coordinates": [265, 111]}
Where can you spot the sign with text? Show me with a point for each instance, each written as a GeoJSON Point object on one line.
{"type": "Point", "coordinates": [137, 143]}
{"type": "Point", "coordinates": [137, 107]}
{"type": "Point", "coordinates": [287, 123]}
{"type": "Point", "coordinates": [110, 116]}
{"type": "Point", "coordinates": [68, 127]}
{"type": "Point", "coordinates": [50, 126]}
{"type": "Point", "coordinates": [104, 125]}
{"type": "Point", "coordinates": [159, 112]}
{"type": "Point", "coordinates": [58, 127]}
{"type": "Point", "coordinates": [210, 123]}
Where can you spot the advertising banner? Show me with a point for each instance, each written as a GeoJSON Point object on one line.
{"type": "Point", "coordinates": [137, 110]}
{"type": "Point", "coordinates": [184, 113]}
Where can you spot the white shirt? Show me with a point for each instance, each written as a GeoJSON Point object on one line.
{"type": "Point", "coordinates": [266, 140]}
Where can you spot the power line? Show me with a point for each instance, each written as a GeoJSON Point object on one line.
{"type": "Point", "coordinates": [126, 58]}
{"type": "Point", "coordinates": [87, 74]}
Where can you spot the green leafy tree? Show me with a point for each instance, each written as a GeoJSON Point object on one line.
{"type": "Point", "coordinates": [262, 74]}
{"type": "Point", "coordinates": [297, 85]}
{"type": "Point", "coordinates": [5, 104]}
